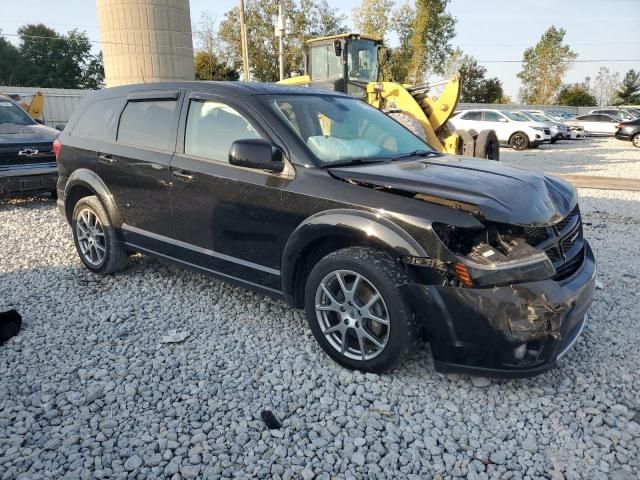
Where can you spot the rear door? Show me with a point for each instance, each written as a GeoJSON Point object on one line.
{"type": "Point", "coordinates": [135, 167]}
{"type": "Point", "coordinates": [226, 218]}
{"type": "Point", "coordinates": [607, 124]}
{"type": "Point", "coordinates": [499, 123]}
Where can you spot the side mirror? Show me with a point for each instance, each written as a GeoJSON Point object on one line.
{"type": "Point", "coordinates": [59, 127]}
{"type": "Point", "coordinates": [256, 153]}
{"type": "Point", "coordinates": [337, 47]}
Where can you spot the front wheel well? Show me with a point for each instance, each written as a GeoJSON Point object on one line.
{"type": "Point", "coordinates": [73, 196]}
{"type": "Point", "coordinates": [318, 249]}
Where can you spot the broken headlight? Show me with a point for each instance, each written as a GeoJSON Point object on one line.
{"type": "Point", "coordinates": [493, 256]}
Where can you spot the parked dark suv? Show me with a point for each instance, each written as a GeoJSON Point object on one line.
{"type": "Point", "coordinates": [27, 160]}
{"type": "Point", "coordinates": [321, 200]}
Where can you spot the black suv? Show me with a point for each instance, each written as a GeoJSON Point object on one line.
{"type": "Point", "coordinates": [325, 202]}
{"type": "Point", "coordinates": [27, 160]}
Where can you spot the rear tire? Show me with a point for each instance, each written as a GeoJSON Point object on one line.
{"type": "Point", "coordinates": [519, 141]}
{"type": "Point", "coordinates": [95, 238]}
{"type": "Point", "coordinates": [410, 123]}
{"type": "Point", "coordinates": [487, 145]}
{"type": "Point", "coordinates": [356, 311]}
{"type": "Point", "coordinates": [635, 140]}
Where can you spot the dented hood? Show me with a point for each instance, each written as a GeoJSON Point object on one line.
{"type": "Point", "coordinates": [500, 192]}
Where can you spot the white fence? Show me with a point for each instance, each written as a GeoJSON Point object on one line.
{"type": "Point", "coordinates": [59, 103]}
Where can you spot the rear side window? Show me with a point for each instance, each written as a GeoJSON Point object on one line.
{"type": "Point", "coordinates": [148, 124]}
{"type": "Point", "coordinates": [95, 121]}
{"type": "Point", "coordinates": [212, 127]}
{"type": "Point", "coordinates": [472, 116]}
{"type": "Point", "coordinates": [492, 116]}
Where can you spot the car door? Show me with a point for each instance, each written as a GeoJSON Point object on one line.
{"type": "Point", "coordinates": [227, 218]}
{"type": "Point", "coordinates": [607, 124]}
{"type": "Point", "coordinates": [135, 167]}
{"type": "Point", "coordinates": [589, 124]}
{"type": "Point", "coordinates": [499, 123]}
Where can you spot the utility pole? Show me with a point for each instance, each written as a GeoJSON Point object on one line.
{"type": "Point", "coordinates": [283, 26]}
{"type": "Point", "coordinates": [243, 41]}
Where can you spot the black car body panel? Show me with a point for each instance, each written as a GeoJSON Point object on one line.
{"type": "Point", "coordinates": [264, 229]}
{"type": "Point", "coordinates": [627, 130]}
{"type": "Point", "coordinates": [27, 161]}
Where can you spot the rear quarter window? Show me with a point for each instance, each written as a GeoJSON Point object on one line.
{"type": "Point", "coordinates": [97, 119]}
{"type": "Point", "coordinates": [148, 124]}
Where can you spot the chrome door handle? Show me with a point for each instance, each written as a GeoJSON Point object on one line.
{"type": "Point", "coordinates": [105, 158]}
{"type": "Point", "coordinates": [182, 175]}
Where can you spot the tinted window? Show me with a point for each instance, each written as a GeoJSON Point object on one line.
{"type": "Point", "coordinates": [96, 119]}
{"type": "Point", "coordinates": [587, 118]}
{"type": "Point", "coordinates": [148, 124]}
{"type": "Point", "coordinates": [325, 63]}
{"type": "Point", "coordinates": [212, 127]}
{"type": "Point", "coordinates": [472, 116]}
{"type": "Point", "coordinates": [492, 116]}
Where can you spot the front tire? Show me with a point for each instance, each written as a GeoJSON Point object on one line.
{"type": "Point", "coordinates": [356, 311]}
{"type": "Point", "coordinates": [519, 141]}
{"type": "Point", "coordinates": [95, 238]}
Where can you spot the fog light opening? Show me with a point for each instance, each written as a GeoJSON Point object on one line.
{"type": "Point", "coordinates": [520, 352]}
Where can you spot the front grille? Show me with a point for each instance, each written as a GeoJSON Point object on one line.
{"type": "Point", "coordinates": [535, 235]}
{"type": "Point", "coordinates": [569, 219]}
{"type": "Point", "coordinates": [553, 254]}
{"type": "Point", "coordinates": [570, 266]}
{"type": "Point", "coordinates": [9, 154]}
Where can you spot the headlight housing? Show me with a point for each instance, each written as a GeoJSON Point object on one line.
{"type": "Point", "coordinates": [494, 256]}
{"type": "Point", "coordinates": [541, 129]}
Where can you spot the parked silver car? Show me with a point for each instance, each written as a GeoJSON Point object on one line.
{"type": "Point", "coordinates": [559, 131]}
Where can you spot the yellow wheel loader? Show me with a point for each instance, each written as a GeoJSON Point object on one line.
{"type": "Point", "coordinates": [349, 63]}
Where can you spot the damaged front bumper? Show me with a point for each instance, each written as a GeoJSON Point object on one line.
{"type": "Point", "coordinates": [515, 330]}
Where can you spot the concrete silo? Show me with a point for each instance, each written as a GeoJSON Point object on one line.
{"type": "Point", "coordinates": [145, 40]}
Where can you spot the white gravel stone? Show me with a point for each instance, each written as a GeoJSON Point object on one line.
{"type": "Point", "coordinates": [121, 401]}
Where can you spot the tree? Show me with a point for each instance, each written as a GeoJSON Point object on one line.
{"type": "Point", "coordinates": [373, 17]}
{"type": "Point", "coordinates": [311, 18]}
{"type": "Point", "coordinates": [629, 91]}
{"type": "Point", "coordinates": [403, 20]}
{"type": "Point", "coordinates": [207, 67]}
{"type": "Point", "coordinates": [544, 66]}
{"type": "Point", "coordinates": [605, 86]}
{"type": "Point", "coordinates": [576, 95]}
{"type": "Point", "coordinates": [9, 63]}
{"type": "Point", "coordinates": [475, 87]}
{"type": "Point", "coordinates": [48, 59]}
{"type": "Point", "coordinates": [431, 40]}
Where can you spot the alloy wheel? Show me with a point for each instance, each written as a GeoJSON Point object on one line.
{"type": "Point", "coordinates": [91, 238]}
{"type": "Point", "coordinates": [636, 140]}
{"type": "Point", "coordinates": [352, 315]}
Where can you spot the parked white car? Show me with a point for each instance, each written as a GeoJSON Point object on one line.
{"type": "Point", "coordinates": [512, 128]}
{"type": "Point", "coordinates": [559, 130]}
{"type": "Point", "coordinates": [596, 123]}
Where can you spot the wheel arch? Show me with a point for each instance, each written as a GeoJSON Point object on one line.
{"type": "Point", "coordinates": [84, 182]}
{"type": "Point", "coordinates": [333, 230]}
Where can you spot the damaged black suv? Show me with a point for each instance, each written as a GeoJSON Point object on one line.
{"type": "Point", "coordinates": [329, 204]}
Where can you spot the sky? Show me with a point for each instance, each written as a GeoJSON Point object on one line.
{"type": "Point", "coordinates": [490, 30]}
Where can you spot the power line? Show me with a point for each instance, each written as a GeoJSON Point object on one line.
{"type": "Point", "coordinates": [44, 37]}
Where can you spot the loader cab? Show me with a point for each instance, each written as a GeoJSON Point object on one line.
{"type": "Point", "coordinates": [344, 63]}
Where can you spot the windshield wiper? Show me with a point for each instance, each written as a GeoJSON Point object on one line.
{"type": "Point", "coordinates": [355, 161]}
{"type": "Point", "coordinates": [417, 153]}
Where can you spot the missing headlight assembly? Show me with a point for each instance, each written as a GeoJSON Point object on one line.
{"type": "Point", "coordinates": [493, 256]}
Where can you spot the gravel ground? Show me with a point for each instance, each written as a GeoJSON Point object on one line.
{"type": "Point", "coordinates": [88, 391]}
{"type": "Point", "coordinates": [602, 156]}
